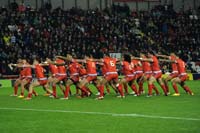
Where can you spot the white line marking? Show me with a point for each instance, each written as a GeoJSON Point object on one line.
{"type": "Point", "coordinates": [102, 113]}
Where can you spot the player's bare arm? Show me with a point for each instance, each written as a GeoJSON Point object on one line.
{"type": "Point", "coordinates": [165, 60]}
{"type": "Point", "coordinates": [163, 56]}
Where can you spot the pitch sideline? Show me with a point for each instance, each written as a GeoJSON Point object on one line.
{"type": "Point", "coordinates": [102, 113]}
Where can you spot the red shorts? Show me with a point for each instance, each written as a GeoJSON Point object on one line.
{"type": "Point", "coordinates": [110, 77]}
{"type": "Point", "coordinates": [42, 82]}
{"type": "Point", "coordinates": [147, 75]}
{"type": "Point", "coordinates": [54, 75]}
{"type": "Point", "coordinates": [21, 78]}
{"type": "Point", "coordinates": [173, 75]}
{"type": "Point", "coordinates": [91, 78]}
{"type": "Point", "coordinates": [183, 77]}
{"type": "Point", "coordinates": [75, 78]}
{"type": "Point", "coordinates": [129, 78]}
{"type": "Point", "coordinates": [138, 75]}
{"type": "Point", "coordinates": [157, 75]}
{"type": "Point", "coordinates": [28, 80]}
{"type": "Point", "coordinates": [61, 78]}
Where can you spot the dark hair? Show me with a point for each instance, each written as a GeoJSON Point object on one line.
{"type": "Point", "coordinates": [106, 54]}
{"type": "Point", "coordinates": [151, 52]}
{"type": "Point", "coordinates": [127, 58]}
{"type": "Point", "coordinates": [89, 55]}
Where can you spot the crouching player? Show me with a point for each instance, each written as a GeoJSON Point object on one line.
{"type": "Point", "coordinates": [19, 80]}
{"type": "Point", "coordinates": [182, 77]}
{"type": "Point", "coordinates": [41, 79]}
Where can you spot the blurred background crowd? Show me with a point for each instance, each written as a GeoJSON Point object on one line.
{"type": "Point", "coordinates": [28, 33]}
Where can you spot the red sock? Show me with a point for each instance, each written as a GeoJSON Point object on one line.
{"type": "Point", "coordinates": [187, 89]}
{"type": "Point", "coordinates": [155, 89]}
{"type": "Point", "coordinates": [101, 90]}
{"type": "Point", "coordinates": [150, 88]}
{"type": "Point", "coordinates": [164, 88]}
{"type": "Point", "coordinates": [54, 90]}
{"type": "Point", "coordinates": [29, 95]}
{"type": "Point", "coordinates": [120, 88]}
{"type": "Point", "coordinates": [175, 88]}
{"type": "Point", "coordinates": [15, 89]}
{"type": "Point", "coordinates": [108, 90]}
{"type": "Point", "coordinates": [134, 88]}
{"type": "Point", "coordinates": [67, 91]}
{"type": "Point", "coordinates": [141, 88]}
{"type": "Point", "coordinates": [82, 93]}
{"type": "Point", "coordinates": [22, 94]}
{"type": "Point", "coordinates": [34, 93]}
{"type": "Point", "coordinates": [84, 90]}
{"type": "Point", "coordinates": [126, 88]}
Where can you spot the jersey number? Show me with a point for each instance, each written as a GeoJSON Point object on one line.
{"type": "Point", "coordinates": [112, 63]}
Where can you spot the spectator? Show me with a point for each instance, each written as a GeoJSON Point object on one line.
{"type": "Point", "coordinates": [47, 32]}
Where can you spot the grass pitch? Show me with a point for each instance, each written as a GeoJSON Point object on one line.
{"type": "Point", "coordinates": [112, 115]}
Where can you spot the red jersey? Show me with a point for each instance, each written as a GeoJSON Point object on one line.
{"type": "Point", "coordinates": [155, 64]}
{"type": "Point", "coordinates": [134, 64]}
{"type": "Point", "coordinates": [39, 71]}
{"type": "Point", "coordinates": [127, 68]}
{"type": "Point", "coordinates": [174, 65]}
{"type": "Point", "coordinates": [82, 71]}
{"type": "Point", "coordinates": [74, 68]}
{"type": "Point", "coordinates": [110, 64]}
{"type": "Point", "coordinates": [28, 72]}
{"type": "Point", "coordinates": [91, 67]}
{"type": "Point", "coordinates": [22, 73]}
{"type": "Point", "coordinates": [146, 66]}
{"type": "Point", "coordinates": [181, 66]}
{"type": "Point", "coordinates": [53, 69]}
{"type": "Point", "coordinates": [61, 69]}
{"type": "Point", "coordinates": [139, 66]}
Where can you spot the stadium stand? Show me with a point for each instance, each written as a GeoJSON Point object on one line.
{"type": "Point", "coordinates": [27, 33]}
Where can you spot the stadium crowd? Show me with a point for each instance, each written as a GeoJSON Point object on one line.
{"type": "Point", "coordinates": [27, 33]}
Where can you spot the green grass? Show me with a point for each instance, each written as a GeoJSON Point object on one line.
{"type": "Point", "coordinates": [185, 106]}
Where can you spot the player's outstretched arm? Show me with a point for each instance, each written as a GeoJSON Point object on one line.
{"type": "Point", "coordinates": [80, 60]}
{"type": "Point", "coordinates": [135, 58]}
{"type": "Point", "coordinates": [44, 64]}
{"type": "Point", "coordinates": [98, 60]}
{"type": "Point", "coordinates": [165, 60]}
{"type": "Point", "coordinates": [147, 59]}
{"type": "Point", "coordinates": [162, 56]}
{"type": "Point", "coordinates": [62, 57]}
{"type": "Point", "coordinates": [23, 66]}
{"type": "Point", "coordinates": [57, 64]}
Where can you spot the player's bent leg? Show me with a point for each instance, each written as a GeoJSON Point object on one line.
{"type": "Point", "coordinates": [174, 82]}
{"type": "Point", "coordinates": [185, 87]}
{"type": "Point", "coordinates": [134, 88]}
{"type": "Point", "coordinates": [161, 83]}
{"type": "Point", "coordinates": [32, 85]}
{"type": "Point", "coordinates": [166, 80]}
{"type": "Point", "coordinates": [55, 81]}
{"type": "Point", "coordinates": [141, 82]}
{"type": "Point", "coordinates": [103, 81]}
{"type": "Point", "coordinates": [67, 89]}
{"type": "Point", "coordinates": [120, 87]}
{"type": "Point", "coordinates": [82, 86]}
{"type": "Point", "coordinates": [150, 85]}
{"type": "Point", "coordinates": [23, 83]}
{"type": "Point", "coordinates": [16, 84]}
